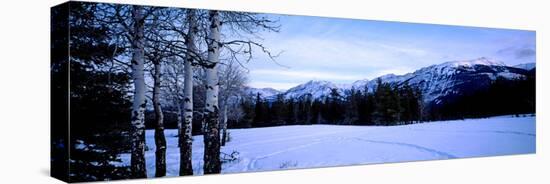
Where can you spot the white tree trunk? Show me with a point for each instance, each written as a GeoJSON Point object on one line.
{"type": "Point", "coordinates": [224, 122]}
{"type": "Point", "coordinates": [179, 120]}
{"type": "Point", "coordinates": [160, 140]}
{"type": "Point", "coordinates": [187, 138]}
{"type": "Point", "coordinates": [212, 162]}
{"type": "Point", "coordinates": [138, 106]}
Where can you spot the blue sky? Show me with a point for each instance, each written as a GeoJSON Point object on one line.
{"type": "Point", "coordinates": [346, 50]}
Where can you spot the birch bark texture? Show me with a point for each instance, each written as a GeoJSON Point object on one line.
{"type": "Point", "coordinates": [160, 140]}
{"type": "Point", "coordinates": [137, 163]}
{"type": "Point", "coordinates": [224, 123]}
{"type": "Point", "coordinates": [186, 139]}
{"type": "Point", "coordinates": [212, 162]}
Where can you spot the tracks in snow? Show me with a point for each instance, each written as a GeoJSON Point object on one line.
{"type": "Point", "coordinates": [483, 131]}
{"type": "Point", "coordinates": [251, 164]}
{"type": "Point", "coordinates": [441, 154]}
{"type": "Point", "coordinates": [514, 132]}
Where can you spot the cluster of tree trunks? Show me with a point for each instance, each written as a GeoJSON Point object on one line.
{"type": "Point", "coordinates": [214, 131]}
{"type": "Point", "coordinates": [160, 41]}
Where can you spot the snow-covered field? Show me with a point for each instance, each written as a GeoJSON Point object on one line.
{"type": "Point", "coordinates": [306, 146]}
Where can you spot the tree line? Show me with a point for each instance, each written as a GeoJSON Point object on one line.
{"type": "Point", "coordinates": [389, 104]}
{"type": "Point", "coordinates": [385, 105]}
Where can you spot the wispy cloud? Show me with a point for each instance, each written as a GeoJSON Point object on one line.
{"type": "Point", "coordinates": [317, 75]}
{"type": "Point", "coordinates": [343, 51]}
{"type": "Point", "coordinates": [525, 52]}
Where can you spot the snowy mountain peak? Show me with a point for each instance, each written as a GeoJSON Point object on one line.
{"type": "Point", "coordinates": [264, 92]}
{"type": "Point", "coordinates": [360, 84]}
{"type": "Point", "coordinates": [315, 88]}
{"type": "Point", "coordinates": [469, 63]}
{"type": "Point", "coordinates": [451, 78]}
{"type": "Point", "coordinates": [452, 68]}
{"type": "Point", "coordinates": [316, 82]}
{"type": "Point", "coordinates": [387, 76]}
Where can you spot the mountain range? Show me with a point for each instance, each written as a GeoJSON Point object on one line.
{"type": "Point", "coordinates": [436, 82]}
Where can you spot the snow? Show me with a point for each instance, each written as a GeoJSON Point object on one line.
{"type": "Point", "coordinates": [440, 80]}
{"type": "Point", "coordinates": [509, 75]}
{"type": "Point", "coordinates": [306, 146]}
{"type": "Point", "coordinates": [264, 92]}
{"type": "Point", "coordinates": [81, 145]}
{"type": "Point", "coordinates": [526, 66]}
{"type": "Point", "coordinates": [470, 63]}
{"type": "Point", "coordinates": [360, 84]}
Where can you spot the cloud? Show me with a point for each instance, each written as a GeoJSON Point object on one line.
{"type": "Point", "coordinates": [525, 52]}
{"type": "Point", "coordinates": [319, 75]}
{"type": "Point", "coordinates": [347, 53]}
{"type": "Point", "coordinates": [343, 51]}
{"type": "Point", "coordinates": [518, 52]}
{"type": "Point", "coordinates": [339, 60]}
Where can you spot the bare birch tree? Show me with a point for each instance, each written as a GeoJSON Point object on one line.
{"type": "Point", "coordinates": [138, 107]}
{"type": "Point", "coordinates": [160, 140]}
{"type": "Point", "coordinates": [232, 83]}
{"type": "Point", "coordinates": [157, 52]}
{"type": "Point", "coordinates": [237, 23]}
{"type": "Point", "coordinates": [127, 24]}
{"type": "Point", "coordinates": [186, 141]}
{"type": "Point", "coordinates": [183, 25]}
{"type": "Point", "coordinates": [212, 162]}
